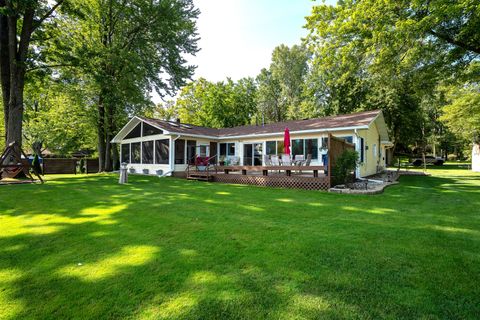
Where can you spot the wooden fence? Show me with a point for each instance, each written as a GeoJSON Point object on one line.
{"type": "Point", "coordinates": [59, 166]}
{"type": "Point", "coordinates": [91, 165]}
{"type": "Point", "coordinates": [336, 146]}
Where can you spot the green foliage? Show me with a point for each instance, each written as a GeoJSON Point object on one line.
{"type": "Point", "coordinates": [462, 113]}
{"type": "Point", "coordinates": [216, 105]}
{"type": "Point", "coordinates": [345, 165]}
{"type": "Point", "coordinates": [390, 55]}
{"type": "Point", "coordinates": [281, 87]}
{"type": "Point", "coordinates": [58, 114]}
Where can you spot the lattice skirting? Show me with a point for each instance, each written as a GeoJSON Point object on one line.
{"type": "Point", "coordinates": [293, 182]}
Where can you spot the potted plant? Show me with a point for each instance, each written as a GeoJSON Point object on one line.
{"type": "Point", "coordinates": [221, 160]}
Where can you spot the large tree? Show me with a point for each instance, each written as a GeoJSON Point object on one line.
{"type": "Point", "coordinates": [127, 48]}
{"type": "Point", "coordinates": [19, 20]}
{"type": "Point", "coordinates": [390, 55]}
{"type": "Point", "coordinates": [281, 86]}
{"type": "Point", "coordinates": [214, 104]}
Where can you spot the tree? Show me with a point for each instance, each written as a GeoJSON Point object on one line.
{"type": "Point", "coordinates": [281, 87]}
{"type": "Point", "coordinates": [126, 49]}
{"type": "Point", "coordinates": [390, 55]}
{"type": "Point", "coordinates": [216, 105]}
{"type": "Point", "coordinates": [58, 116]}
{"type": "Point", "coordinates": [18, 22]}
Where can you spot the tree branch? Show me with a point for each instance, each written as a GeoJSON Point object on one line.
{"type": "Point", "coordinates": [50, 66]}
{"type": "Point", "coordinates": [456, 42]}
{"type": "Point", "coordinates": [47, 15]}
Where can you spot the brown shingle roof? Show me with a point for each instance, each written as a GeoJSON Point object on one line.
{"type": "Point", "coordinates": [332, 122]}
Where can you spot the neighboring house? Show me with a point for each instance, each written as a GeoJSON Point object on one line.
{"type": "Point", "coordinates": [165, 147]}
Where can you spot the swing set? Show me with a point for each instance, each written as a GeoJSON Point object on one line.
{"type": "Point", "coordinates": [12, 165]}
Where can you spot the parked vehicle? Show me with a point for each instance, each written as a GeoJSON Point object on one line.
{"type": "Point", "coordinates": [436, 161]}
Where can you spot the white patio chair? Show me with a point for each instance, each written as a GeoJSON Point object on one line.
{"type": "Point", "coordinates": [286, 160]}
{"type": "Point", "coordinates": [233, 160]}
{"type": "Point", "coordinates": [274, 161]}
{"type": "Point", "coordinates": [266, 160]}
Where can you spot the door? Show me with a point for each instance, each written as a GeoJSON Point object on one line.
{"type": "Point", "coordinates": [248, 154]}
{"type": "Point", "coordinates": [252, 154]}
{"type": "Point", "coordinates": [191, 151]}
{"type": "Point", "coordinates": [213, 152]}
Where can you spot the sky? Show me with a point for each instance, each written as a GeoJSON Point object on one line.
{"type": "Point", "coordinates": [237, 37]}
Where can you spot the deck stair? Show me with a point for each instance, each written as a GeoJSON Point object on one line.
{"type": "Point", "coordinates": [199, 176]}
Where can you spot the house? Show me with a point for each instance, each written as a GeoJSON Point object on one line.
{"type": "Point", "coordinates": [154, 146]}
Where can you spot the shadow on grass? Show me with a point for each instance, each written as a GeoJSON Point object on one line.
{"type": "Point", "coordinates": [86, 247]}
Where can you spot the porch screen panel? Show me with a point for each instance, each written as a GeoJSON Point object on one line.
{"type": "Point", "coordinates": [135, 133]}
{"type": "Point", "coordinates": [147, 152]}
{"type": "Point", "coordinates": [179, 151]}
{"type": "Point", "coordinates": [149, 130]}
{"type": "Point", "coordinates": [271, 148]}
{"type": "Point", "coordinates": [135, 152]}
{"type": "Point", "coordinates": [125, 153]}
{"type": "Point", "coordinates": [297, 146]}
{"type": "Point", "coordinates": [311, 147]}
{"type": "Point", "coordinates": [162, 148]}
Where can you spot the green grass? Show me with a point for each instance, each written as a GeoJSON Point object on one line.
{"type": "Point", "coordinates": [175, 249]}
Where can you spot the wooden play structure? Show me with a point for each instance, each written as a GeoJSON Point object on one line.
{"type": "Point", "coordinates": [12, 165]}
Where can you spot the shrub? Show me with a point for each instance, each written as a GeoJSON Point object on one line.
{"type": "Point", "coordinates": [345, 165]}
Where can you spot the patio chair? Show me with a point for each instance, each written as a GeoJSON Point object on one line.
{"type": "Point", "coordinates": [299, 159]}
{"type": "Point", "coordinates": [307, 161]}
{"type": "Point", "coordinates": [266, 160]}
{"type": "Point", "coordinates": [286, 160]}
{"type": "Point", "coordinates": [233, 160]}
{"type": "Point", "coordinates": [275, 161]}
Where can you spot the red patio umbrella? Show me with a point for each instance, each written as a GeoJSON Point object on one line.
{"type": "Point", "coordinates": [286, 141]}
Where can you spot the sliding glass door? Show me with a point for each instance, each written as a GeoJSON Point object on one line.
{"type": "Point", "coordinates": [252, 154]}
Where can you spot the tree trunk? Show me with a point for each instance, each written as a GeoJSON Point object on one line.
{"type": "Point", "coordinates": [101, 135]}
{"type": "Point", "coordinates": [4, 66]}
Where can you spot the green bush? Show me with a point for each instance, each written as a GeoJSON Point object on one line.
{"type": "Point", "coordinates": [345, 165]}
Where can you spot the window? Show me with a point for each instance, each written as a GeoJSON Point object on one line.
{"type": "Point", "coordinates": [135, 133]}
{"type": "Point", "coordinates": [135, 152]}
{"type": "Point", "coordinates": [297, 147]}
{"type": "Point", "coordinates": [305, 147]}
{"type": "Point", "coordinates": [147, 152]}
{"type": "Point", "coordinates": [271, 147]}
{"type": "Point", "coordinates": [223, 149]}
{"type": "Point", "coordinates": [280, 147]}
{"type": "Point", "coordinates": [311, 147]}
{"type": "Point", "coordinates": [149, 130]}
{"type": "Point", "coordinates": [349, 139]}
{"type": "Point", "coordinates": [362, 150]}
{"type": "Point", "coordinates": [203, 151]}
{"type": "Point", "coordinates": [374, 150]}
{"type": "Point", "coordinates": [161, 151]}
{"type": "Point", "coordinates": [125, 153]}
{"type": "Point", "coordinates": [179, 151]}
{"type": "Point", "coordinates": [227, 149]}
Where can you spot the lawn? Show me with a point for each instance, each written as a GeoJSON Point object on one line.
{"type": "Point", "coordinates": [86, 247]}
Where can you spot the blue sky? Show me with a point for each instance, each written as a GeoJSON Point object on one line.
{"type": "Point", "coordinates": [238, 36]}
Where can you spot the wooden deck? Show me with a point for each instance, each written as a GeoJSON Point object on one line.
{"type": "Point", "coordinates": [298, 177]}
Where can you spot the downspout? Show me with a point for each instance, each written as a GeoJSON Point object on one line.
{"type": "Point", "coordinates": [357, 171]}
